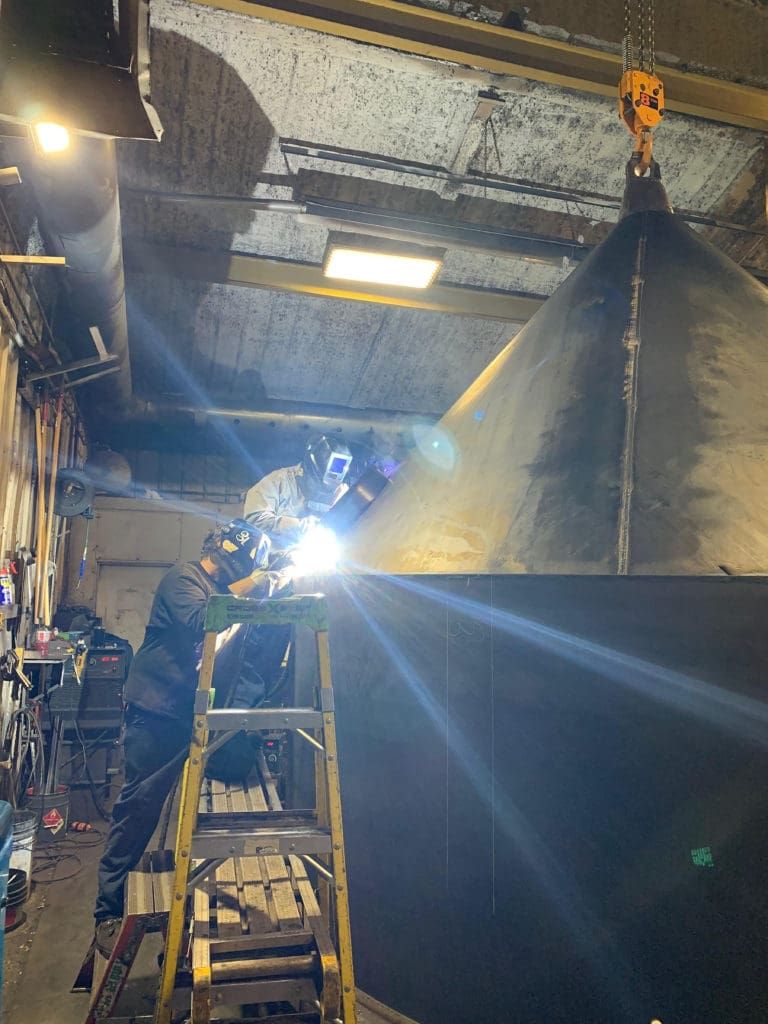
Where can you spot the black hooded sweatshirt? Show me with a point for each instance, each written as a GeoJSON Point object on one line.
{"type": "Point", "coordinates": [163, 674]}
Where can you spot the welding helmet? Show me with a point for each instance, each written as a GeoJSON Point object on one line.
{"type": "Point", "coordinates": [325, 465]}
{"type": "Point", "coordinates": [237, 548]}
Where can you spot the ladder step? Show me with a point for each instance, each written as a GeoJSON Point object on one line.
{"type": "Point", "coordinates": [212, 839]}
{"type": "Point", "coordinates": [250, 820]}
{"type": "Point", "coordinates": [256, 719]}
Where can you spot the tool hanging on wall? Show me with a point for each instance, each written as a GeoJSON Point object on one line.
{"type": "Point", "coordinates": [641, 91]}
{"type": "Point", "coordinates": [41, 426]}
{"type": "Point", "coordinates": [46, 510]}
{"type": "Point", "coordinates": [47, 595]}
{"type": "Point", "coordinates": [88, 515]}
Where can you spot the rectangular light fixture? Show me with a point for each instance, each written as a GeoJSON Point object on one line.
{"type": "Point", "coordinates": [377, 261]}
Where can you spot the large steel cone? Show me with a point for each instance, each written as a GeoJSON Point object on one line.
{"type": "Point", "coordinates": [622, 431]}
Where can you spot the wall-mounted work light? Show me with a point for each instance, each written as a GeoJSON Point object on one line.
{"type": "Point", "coordinates": [50, 137]}
{"type": "Point", "coordinates": [77, 65]}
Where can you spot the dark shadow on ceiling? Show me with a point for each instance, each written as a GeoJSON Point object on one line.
{"type": "Point", "coordinates": [216, 140]}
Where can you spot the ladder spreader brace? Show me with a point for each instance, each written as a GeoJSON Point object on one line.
{"type": "Point", "coordinates": [321, 840]}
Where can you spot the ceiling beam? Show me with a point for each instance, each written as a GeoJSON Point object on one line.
{"type": "Point", "coordinates": [307, 279]}
{"type": "Point", "coordinates": [502, 51]}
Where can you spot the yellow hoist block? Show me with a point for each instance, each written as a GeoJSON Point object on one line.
{"type": "Point", "coordinates": [641, 100]}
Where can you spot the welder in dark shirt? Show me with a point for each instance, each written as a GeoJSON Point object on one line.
{"type": "Point", "coordinates": [159, 695]}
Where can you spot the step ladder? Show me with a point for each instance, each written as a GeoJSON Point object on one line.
{"type": "Point", "coordinates": [234, 840]}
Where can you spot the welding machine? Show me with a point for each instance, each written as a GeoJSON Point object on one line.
{"type": "Point", "coordinates": [101, 701]}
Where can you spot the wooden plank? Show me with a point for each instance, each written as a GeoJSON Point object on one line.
{"type": "Point", "coordinates": [7, 416]}
{"type": "Point", "coordinates": [280, 889]}
{"type": "Point", "coordinates": [244, 867]}
{"type": "Point", "coordinates": [237, 801]}
{"type": "Point", "coordinates": [162, 880]}
{"type": "Point", "coordinates": [254, 795]}
{"type": "Point", "coordinates": [257, 910]}
{"type": "Point", "coordinates": [218, 796]}
{"type": "Point", "coordinates": [331, 994]}
{"type": "Point", "coordinates": [265, 967]}
{"type": "Point", "coordinates": [266, 940]}
{"type": "Point", "coordinates": [140, 898]}
{"type": "Point", "coordinates": [228, 917]}
{"type": "Point", "coordinates": [16, 484]}
{"type": "Point", "coordinates": [201, 955]}
{"type": "Point", "coordinates": [228, 922]}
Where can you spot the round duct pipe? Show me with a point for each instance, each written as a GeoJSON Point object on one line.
{"type": "Point", "coordinates": [79, 216]}
{"type": "Point", "coordinates": [287, 418]}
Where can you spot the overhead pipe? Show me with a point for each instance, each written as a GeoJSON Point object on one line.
{"type": "Point", "coordinates": [337, 215]}
{"type": "Point", "coordinates": [79, 219]}
{"type": "Point", "coordinates": [292, 416]}
{"type": "Point", "coordinates": [479, 179]}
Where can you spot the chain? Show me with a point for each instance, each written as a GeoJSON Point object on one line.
{"type": "Point", "coordinates": [628, 54]}
{"type": "Point", "coordinates": [641, 36]}
{"type": "Point", "coordinates": [646, 36]}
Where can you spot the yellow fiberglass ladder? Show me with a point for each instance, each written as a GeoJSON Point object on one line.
{"type": "Point", "coordinates": [253, 900]}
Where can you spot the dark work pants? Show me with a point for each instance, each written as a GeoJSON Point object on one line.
{"type": "Point", "coordinates": [155, 750]}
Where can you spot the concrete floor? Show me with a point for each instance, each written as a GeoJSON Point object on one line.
{"type": "Point", "coordinates": [43, 955]}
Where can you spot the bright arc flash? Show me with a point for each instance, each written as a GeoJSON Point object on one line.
{"type": "Point", "coordinates": [316, 553]}
{"type": "Point", "coordinates": [52, 138]}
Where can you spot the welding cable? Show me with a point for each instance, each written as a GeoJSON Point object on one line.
{"type": "Point", "coordinates": [92, 745]}
{"type": "Point", "coordinates": [97, 802]}
{"type": "Point", "coordinates": [49, 858]}
{"type": "Point", "coordinates": [165, 821]}
{"type": "Point", "coordinates": [52, 861]}
{"type": "Point", "coordinates": [26, 739]}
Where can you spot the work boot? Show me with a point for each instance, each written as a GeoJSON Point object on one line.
{"type": "Point", "coordinates": [107, 931]}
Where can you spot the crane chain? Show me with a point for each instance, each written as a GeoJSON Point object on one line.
{"type": "Point", "coordinates": [651, 37]}
{"type": "Point", "coordinates": [641, 35]}
{"type": "Point", "coordinates": [628, 54]}
{"type": "Point", "coordinates": [646, 35]}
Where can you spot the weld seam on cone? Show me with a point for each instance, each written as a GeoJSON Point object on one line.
{"type": "Point", "coordinates": [632, 345]}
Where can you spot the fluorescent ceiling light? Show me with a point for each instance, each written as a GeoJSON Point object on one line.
{"type": "Point", "coordinates": [381, 267]}
{"type": "Point", "coordinates": [51, 138]}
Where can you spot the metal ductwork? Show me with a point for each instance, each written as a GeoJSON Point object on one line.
{"type": "Point", "coordinates": [622, 431]}
{"type": "Point", "coordinates": [84, 65]}
{"type": "Point", "coordinates": [284, 426]}
{"type": "Point", "coordinates": [79, 217]}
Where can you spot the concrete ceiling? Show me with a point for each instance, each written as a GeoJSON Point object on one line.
{"type": "Point", "coordinates": [228, 88]}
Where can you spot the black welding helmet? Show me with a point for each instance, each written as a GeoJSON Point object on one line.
{"type": "Point", "coordinates": [237, 548]}
{"type": "Point", "coordinates": [325, 465]}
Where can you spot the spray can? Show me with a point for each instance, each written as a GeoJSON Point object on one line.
{"type": "Point", "coordinates": [6, 587]}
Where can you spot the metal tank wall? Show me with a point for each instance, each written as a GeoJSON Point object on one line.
{"type": "Point", "coordinates": [550, 675]}
{"type": "Point", "coordinates": [554, 795]}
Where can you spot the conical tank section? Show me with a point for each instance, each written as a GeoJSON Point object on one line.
{"type": "Point", "coordinates": [622, 431]}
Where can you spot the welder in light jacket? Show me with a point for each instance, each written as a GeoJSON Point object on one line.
{"type": "Point", "coordinates": [159, 694]}
{"type": "Point", "coordinates": [288, 502]}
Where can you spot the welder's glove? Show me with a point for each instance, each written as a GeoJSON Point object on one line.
{"type": "Point", "coordinates": [280, 560]}
{"type": "Point", "coordinates": [261, 583]}
{"type": "Point", "coordinates": [308, 523]}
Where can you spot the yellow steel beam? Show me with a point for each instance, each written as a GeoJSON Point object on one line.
{"type": "Point", "coordinates": [501, 51]}
{"type": "Point", "coordinates": [307, 279]}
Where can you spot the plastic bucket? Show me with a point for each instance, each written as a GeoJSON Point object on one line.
{"type": "Point", "coordinates": [24, 828]}
{"type": "Point", "coordinates": [52, 812]}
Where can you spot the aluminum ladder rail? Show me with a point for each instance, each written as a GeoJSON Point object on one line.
{"type": "Point", "coordinates": [323, 839]}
